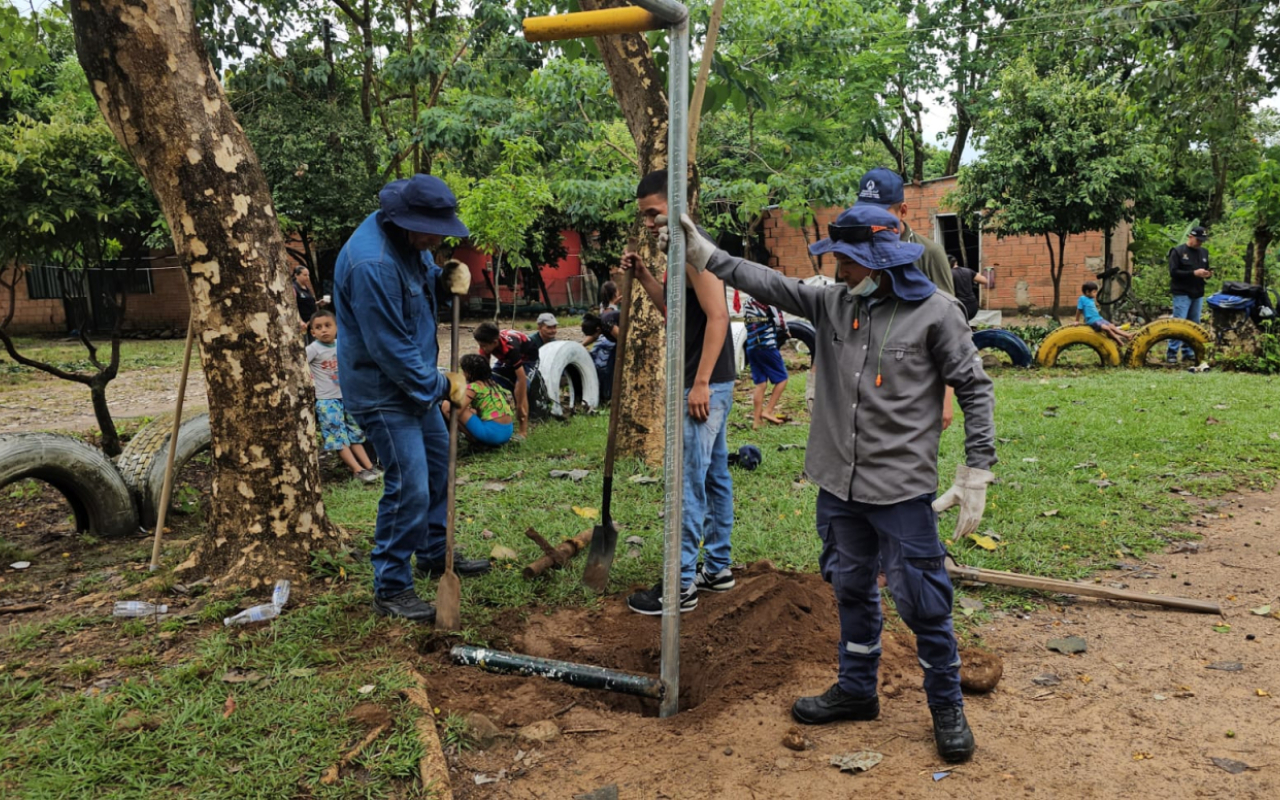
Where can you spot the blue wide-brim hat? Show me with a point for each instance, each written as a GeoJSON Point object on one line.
{"type": "Point", "coordinates": [423, 204]}
{"type": "Point", "coordinates": [882, 248]}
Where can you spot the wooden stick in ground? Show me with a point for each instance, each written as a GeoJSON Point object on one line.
{"type": "Point", "coordinates": [330, 775]}
{"type": "Point", "coordinates": [566, 550]}
{"type": "Point", "coordinates": [433, 769]}
{"type": "Point", "coordinates": [545, 546]}
{"type": "Point", "coordinates": [166, 489]}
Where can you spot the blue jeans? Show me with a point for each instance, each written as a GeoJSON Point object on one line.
{"type": "Point", "coordinates": [414, 451]}
{"type": "Point", "coordinates": [1184, 307]}
{"type": "Point", "coordinates": [856, 539]}
{"type": "Point", "coordinates": [708, 489]}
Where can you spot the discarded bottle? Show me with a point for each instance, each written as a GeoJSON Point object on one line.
{"type": "Point", "coordinates": [256, 614]}
{"type": "Point", "coordinates": [137, 608]}
{"type": "Point", "coordinates": [280, 595]}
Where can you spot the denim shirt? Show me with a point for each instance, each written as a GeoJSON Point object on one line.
{"type": "Point", "coordinates": [384, 296]}
{"type": "Point", "coordinates": [879, 443]}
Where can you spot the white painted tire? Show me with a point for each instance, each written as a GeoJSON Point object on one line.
{"type": "Point", "coordinates": [560, 358]}
{"type": "Point", "coordinates": [738, 330]}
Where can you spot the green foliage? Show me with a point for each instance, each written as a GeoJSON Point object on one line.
{"type": "Point", "coordinates": [1263, 356]}
{"type": "Point", "coordinates": [500, 209]}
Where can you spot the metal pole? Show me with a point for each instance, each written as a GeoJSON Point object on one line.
{"type": "Point", "coordinates": [583, 675]}
{"type": "Point", "coordinates": [668, 11]}
{"type": "Point", "coordinates": [673, 460]}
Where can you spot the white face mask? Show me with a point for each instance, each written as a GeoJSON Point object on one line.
{"type": "Point", "coordinates": [867, 286]}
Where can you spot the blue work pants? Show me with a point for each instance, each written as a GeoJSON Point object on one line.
{"type": "Point", "coordinates": [857, 540]}
{"type": "Point", "coordinates": [1184, 307]}
{"type": "Point", "coordinates": [414, 451]}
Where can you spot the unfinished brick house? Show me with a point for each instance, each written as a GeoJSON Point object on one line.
{"type": "Point", "coordinates": [49, 300]}
{"type": "Point", "coordinates": [1020, 264]}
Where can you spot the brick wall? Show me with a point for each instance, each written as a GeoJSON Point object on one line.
{"type": "Point", "coordinates": [1020, 263]}
{"type": "Point", "coordinates": [165, 308]}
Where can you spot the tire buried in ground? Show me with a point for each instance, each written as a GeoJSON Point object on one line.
{"type": "Point", "coordinates": [1162, 330]}
{"type": "Point", "coordinates": [1070, 335]}
{"type": "Point", "coordinates": [141, 465]}
{"type": "Point", "coordinates": [1006, 342]}
{"type": "Point", "coordinates": [568, 359]}
{"type": "Point", "coordinates": [87, 478]}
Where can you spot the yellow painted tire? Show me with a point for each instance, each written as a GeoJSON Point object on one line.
{"type": "Point", "coordinates": [1193, 333]}
{"type": "Point", "coordinates": [1062, 338]}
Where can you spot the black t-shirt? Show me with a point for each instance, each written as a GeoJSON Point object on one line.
{"type": "Point", "coordinates": [306, 302]}
{"type": "Point", "coordinates": [608, 321]}
{"type": "Point", "coordinates": [1184, 260]}
{"type": "Point", "coordinates": [965, 291]}
{"type": "Point", "coordinates": [695, 329]}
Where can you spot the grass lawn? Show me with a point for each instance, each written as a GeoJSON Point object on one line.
{"type": "Point", "coordinates": [1091, 466]}
{"type": "Point", "coordinates": [70, 355]}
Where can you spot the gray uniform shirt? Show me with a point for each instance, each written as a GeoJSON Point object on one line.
{"type": "Point", "coordinates": [869, 443]}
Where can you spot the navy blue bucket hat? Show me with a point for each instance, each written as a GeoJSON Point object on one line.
{"type": "Point", "coordinates": [423, 204]}
{"type": "Point", "coordinates": [748, 457]}
{"type": "Point", "coordinates": [870, 235]}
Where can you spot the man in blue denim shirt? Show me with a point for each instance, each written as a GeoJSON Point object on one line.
{"type": "Point", "coordinates": [386, 288]}
{"type": "Point", "coordinates": [709, 373]}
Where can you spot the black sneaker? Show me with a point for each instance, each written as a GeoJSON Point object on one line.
{"type": "Point", "coordinates": [465, 567]}
{"type": "Point", "coordinates": [406, 605]}
{"type": "Point", "coordinates": [834, 705]}
{"type": "Point", "coordinates": [951, 733]}
{"type": "Point", "coordinates": [722, 581]}
{"type": "Point", "coordinates": [649, 601]}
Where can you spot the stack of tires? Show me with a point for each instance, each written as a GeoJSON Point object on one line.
{"type": "Point", "coordinates": [1135, 354]}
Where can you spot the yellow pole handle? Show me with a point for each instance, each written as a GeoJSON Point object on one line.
{"type": "Point", "coordinates": [605, 22]}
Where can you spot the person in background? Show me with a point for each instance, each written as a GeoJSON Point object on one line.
{"type": "Point", "coordinates": [305, 294]}
{"type": "Point", "coordinates": [1188, 269]}
{"type": "Point", "coordinates": [966, 283]}
{"type": "Point", "coordinates": [485, 415]}
{"type": "Point", "coordinates": [1087, 311]}
{"type": "Point", "coordinates": [511, 349]}
{"type": "Point", "coordinates": [548, 327]}
{"type": "Point", "coordinates": [764, 325]}
{"type": "Point", "coordinates": [337, 428]}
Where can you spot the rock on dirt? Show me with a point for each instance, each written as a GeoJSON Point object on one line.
{"type": "Point", "coordinates": [539, 732]}
{"type": "Point", "coordinates": [481, 730]}
{"type": "Point", "coordinates": [794, 740]}
{"type": "Point", "coordinates": [980, 670]}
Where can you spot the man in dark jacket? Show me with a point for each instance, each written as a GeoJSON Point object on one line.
{"type": "Point", "coordinates": [1188, 268]}
{"type": "Point", "coordinates": [386, 287]}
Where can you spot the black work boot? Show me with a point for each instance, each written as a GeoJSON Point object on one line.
{"type": "Point", "coordinates": [952, 734]}
{"type": "Point", "coordinates": [465, 567]}
{"type": "Point", "coordinates": [406, 605]}
{"type": "Point", "coordinates": [833, 705]}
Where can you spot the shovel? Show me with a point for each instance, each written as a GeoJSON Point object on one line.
{"type": "Point", "coordinates": [604, 537]}
{"type": "Point", "coordinates": [449, 592]}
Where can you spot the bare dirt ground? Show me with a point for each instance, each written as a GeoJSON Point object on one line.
{"type": "Point", "coordinates": [1139, 715]}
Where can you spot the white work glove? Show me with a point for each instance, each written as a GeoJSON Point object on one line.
{"type": "Point", "coordinates": [970, 493]}
{"type": "Point", "coordinates": [457, 388]}
{"type": "Point", "coordinates": [697, 249]}
{"type": "Point", "coordinates": [456, 277]}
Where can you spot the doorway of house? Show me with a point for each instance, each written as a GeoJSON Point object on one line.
{"type": "Point", "coordinates": [961, 241]}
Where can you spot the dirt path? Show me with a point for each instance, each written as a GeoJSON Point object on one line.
{"type": "Point", "coordinates": [47, 404]}
{"type": "Point", "coordinates": [1137, 716]}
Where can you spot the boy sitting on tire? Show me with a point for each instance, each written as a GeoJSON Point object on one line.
{"type": "Point", "coordinates": [1087, 306]}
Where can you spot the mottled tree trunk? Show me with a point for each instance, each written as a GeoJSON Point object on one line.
{"type": "Point", "coordinates": [153, 81]}
{"type": "Point", "coordinates": [638, 86]}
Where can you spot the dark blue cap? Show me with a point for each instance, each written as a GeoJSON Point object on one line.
{"type": "Point", "coordinates": [1199, 233]}
{"type": "Point", "coordinates": [749, 456]}
{"type": "Point", "coordinates": [880, 186]}
{"type": "Point", "coordinates": [869, 235]}
{"type": "Point", "coordinates": [423, 204]}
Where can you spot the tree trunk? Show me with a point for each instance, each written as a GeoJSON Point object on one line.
{"type": "Point", "coordinates": [637, 84]}
{"type": "Point", "coordinates": [1055, 268]}
{"type": "Point", "coordinates": [1262, 240]}
{"type": "Point", "coordinates": [148, 70]}
{"type": "Point", "coordinates": [963, 125]}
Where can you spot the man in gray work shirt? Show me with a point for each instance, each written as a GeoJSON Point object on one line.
{"type": "Point", "coordinates": [889, 343]}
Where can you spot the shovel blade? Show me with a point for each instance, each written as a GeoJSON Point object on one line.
{"type": "Point", "coordinates": [604, 541]}
{"type": "Point", "coordinates": [449, 603]}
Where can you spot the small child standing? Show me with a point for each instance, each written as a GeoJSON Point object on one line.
{"type": "Point", "coordinates": [764, 323]}
{"type": "Point", "coordinates": [486, 414]}
{"type": "Point", "coordinates": [1087, 306]}
{"type": "Point", "coordinates": [338, 430]}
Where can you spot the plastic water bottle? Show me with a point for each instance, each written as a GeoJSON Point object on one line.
{"type": "Point", "coordinates": [256, 614]}
{"type": "Point", "coordinates": [137, 608]}
{"type": "Point", "coordinates": [280, 595]}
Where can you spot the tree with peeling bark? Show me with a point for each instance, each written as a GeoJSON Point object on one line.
{"type": "Point", "coordinates": [153, 81]}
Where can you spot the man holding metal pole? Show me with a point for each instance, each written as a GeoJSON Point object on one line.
{"type": "Point", "coordinates": [889, 343]}
{"type": "Point", "coordinates": [708, 375]}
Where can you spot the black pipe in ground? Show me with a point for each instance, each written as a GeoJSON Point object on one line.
{"type": "Point", "coordinates": [583, 675]}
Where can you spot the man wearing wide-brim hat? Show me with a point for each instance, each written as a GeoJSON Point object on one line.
{"type": "Point", "coordinates": [889, 342]}
{"type": "Point", "coordinates": [386, 288]}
